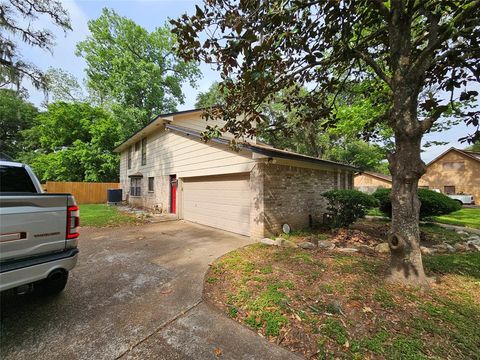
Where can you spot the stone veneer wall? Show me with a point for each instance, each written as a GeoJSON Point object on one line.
{"type": "Point", "coordinates": [288, 194]}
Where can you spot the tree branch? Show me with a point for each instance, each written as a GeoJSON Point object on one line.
{"type": "Point", "coordinates": [434, 43]}
{"type": "Point", "coordinates": [382, 9]}
{"type": "Point", "coordinates": [373, 64]}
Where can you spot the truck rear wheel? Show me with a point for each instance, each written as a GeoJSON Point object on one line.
{"type": "Point", "coordinates": [54, 283]}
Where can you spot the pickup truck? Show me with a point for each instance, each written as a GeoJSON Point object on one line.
{"type": "Point", "coordinates": [38, 233]}
{"type": "Point", "coordinates": [463, 199]}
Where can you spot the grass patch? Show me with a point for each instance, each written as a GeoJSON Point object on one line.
{"type": "Point", "coordinates": [375, 212]}
{"type": "Point", "coordinates": [344, 308]}
{"type": "Point", "coordinates": [437, 234]}
{"type": "Point", "coordinates": [469, 217]}
{"type": "Point", "coordinates": [101, 215]}
{"type": "Point", "coordinates": [466, 264]}
{"type": "Point", "coordinates": [335, 330]}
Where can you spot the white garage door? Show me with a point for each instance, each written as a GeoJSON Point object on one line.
{"type": "Point", "coordinates": [218, 201]}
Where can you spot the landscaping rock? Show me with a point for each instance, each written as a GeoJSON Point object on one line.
{"type": "Point", "coordinates": [473, 245]}
{"type": "Point", "coordinates": [461, 247]}
{"type": "Point", "coordinates": [268, 241]}
{"type": "Point", "coordinates": [450, 248]}
{"type": "Point", "coordinates": [307, 245]}
{"type": "Point", "coordinates": [285, 243]}
{"type": "Point", "coordinates": [382, 248]}
{"type": "Point", "coordinates": [440, 248]}
{"type": "Point", "coordinates": [427, 251]}
{"type": "Point", "coordinates": [347, 250]}
{"type": "Point", "coordinates": [365, 249]}
{"type": "Point", "coordinates": [313, 239]}
{"type": "Point", "coordinates": [326, 245]}
{"type": "Point", "coordinates": [461, 232]}
{"type": "Point", "coordinates": [474, 240]}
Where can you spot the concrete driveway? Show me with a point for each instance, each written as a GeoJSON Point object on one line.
{"type": "Point", "coordinates": [136, 293]}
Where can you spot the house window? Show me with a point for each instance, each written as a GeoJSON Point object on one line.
{"type": "Point", "coordinates": [151, 184]}
{"type": "Point", "coordinates": [137, 146]}
{"type": "Point", "coordinates": [449, 190]}
{"type": "Point", "coordinates": [144, 151]}
{"type": "Point", "coordinates": [129, 158]}
{"type": "Point", "coordinates": [135, 186]}
{"type": "Point", "coordinates": [454, 165]}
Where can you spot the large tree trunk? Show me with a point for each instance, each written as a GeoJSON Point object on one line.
{"type": "Point", "coordinates": [406, 167]}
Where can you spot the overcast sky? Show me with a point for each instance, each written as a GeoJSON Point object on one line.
{"type": "Point", "coordinates": [150, 14]}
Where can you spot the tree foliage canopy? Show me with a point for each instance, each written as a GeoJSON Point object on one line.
{"type": "Point", "coordinates": [73, 142]}
{"type": "Point", "coordinates": [16, 114]}
{"type": "Point", "coordinates": [16, 21]}
{"type": "Point", "coordinates": [133, 67]}
{"type": "Point", "coordinates": [263, 47]}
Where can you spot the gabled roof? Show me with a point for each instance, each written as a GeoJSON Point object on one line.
{"type": "Point", "coordinates": [157, 120]}
{"type": "Point", "coordinates": [377, 175]}
{"type": "Point", "coordinates": [265, 149]}
{"type": "Point", "coordinates": [470, 154]}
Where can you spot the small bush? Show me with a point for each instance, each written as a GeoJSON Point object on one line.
{"type": "Point", "coordinates": [346, 206]}
{"type": "Point", "coordinates": [433, 203]}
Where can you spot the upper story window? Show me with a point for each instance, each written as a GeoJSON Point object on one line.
{"type": "Point", "coordinates": [144, 151]}
{"type": "Point", "coordinates": [454, 165]}
{"type": "Point", "coordinates": [129, 158]}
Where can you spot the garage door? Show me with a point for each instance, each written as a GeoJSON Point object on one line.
{"type": "Point", "coordinates": [219, 201]}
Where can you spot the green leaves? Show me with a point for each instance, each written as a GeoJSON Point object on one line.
{"type": "Point", "coordinates": [133, 67]}
{"type": "Point", "coordinates": [73, 142]}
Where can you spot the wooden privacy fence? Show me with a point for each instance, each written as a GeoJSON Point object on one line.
{"type": "Point", "coordinates": [84, 192]}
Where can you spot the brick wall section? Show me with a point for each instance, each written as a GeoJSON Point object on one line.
{"type": "Point", "coordinates": [291, 194]}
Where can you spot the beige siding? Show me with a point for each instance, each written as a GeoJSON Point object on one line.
{"type": "Point", "coordinates": [219, 201]}
{"type": "Point", "coordinates": [170, 153]}
{"type": "Point", "coordinates": [197, 123]}
{"type": "Point", "coordinates": [465, 180]}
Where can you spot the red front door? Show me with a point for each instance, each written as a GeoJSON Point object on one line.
{"type": "Point", "coordinates": [173, 194]}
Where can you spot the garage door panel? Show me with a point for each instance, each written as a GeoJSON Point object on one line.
{"type": "Point", "coordinates": [218, 201]}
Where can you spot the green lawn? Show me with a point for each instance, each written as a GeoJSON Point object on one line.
{"type": "Point", "coordinates": [100, 215]}
{"type": "Point", "coordinates": [469, 217]}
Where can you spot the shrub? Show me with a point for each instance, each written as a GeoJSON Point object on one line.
{"type": "Point", "coordinates": [346, 206]}
{"type": "Point", "coordinates": [433, 203]}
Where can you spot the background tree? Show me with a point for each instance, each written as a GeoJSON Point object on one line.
{"type": "Point", "coordinates": [16, 20]}
{"type": "Point", "coordinates": [474, 147]}
{"type": "Point", "coordinates": [16, 114]}
{"type": "Point", "coordinates": [409, 46]}
{"type": "Point", "coordinates": [133, 67]}
{"type": "Point", "coordinates": [212, 97]}
{"type": "Point", "coordinates": [62, 86]}
{"type": "Point", "coordinates": [73, 142]}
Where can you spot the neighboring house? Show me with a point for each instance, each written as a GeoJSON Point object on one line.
{"type": "Point", "coordinates": [454, 172]}
{"type": "Point", "coordinates": [369, 181]}
{"type": "Point", "coordinates": [254, 191]}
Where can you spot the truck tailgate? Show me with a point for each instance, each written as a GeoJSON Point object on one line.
{"type": "Point", "coordinates": [32, 224]}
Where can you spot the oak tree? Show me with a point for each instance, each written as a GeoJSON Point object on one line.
{"type": "Point", "coordinates": [425, 53]}
{"type": "Point", "coordinates": [17, 22]}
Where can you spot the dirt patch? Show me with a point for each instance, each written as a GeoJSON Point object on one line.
{"type": "Point", "coordinates": [324, 304]}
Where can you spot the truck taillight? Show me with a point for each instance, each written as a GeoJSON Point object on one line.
{"type": "Point", "coordinates": [73, 222]}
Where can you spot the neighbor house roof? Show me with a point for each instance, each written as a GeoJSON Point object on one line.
{"type": "Point", "coordinates": [264, 149]}
{"type": "Point", "coordinates": [377, 175]}
{"type": "Point", "coordinates": [470, 154]}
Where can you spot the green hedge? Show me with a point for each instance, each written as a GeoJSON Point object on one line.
{"type": "Point", "coordinates": [433, 203]}
{"type": "Point", "coordinates": [346, 206]}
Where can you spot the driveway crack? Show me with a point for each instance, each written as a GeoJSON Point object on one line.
{"type": "Point", "coordinates": [162, 326]}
